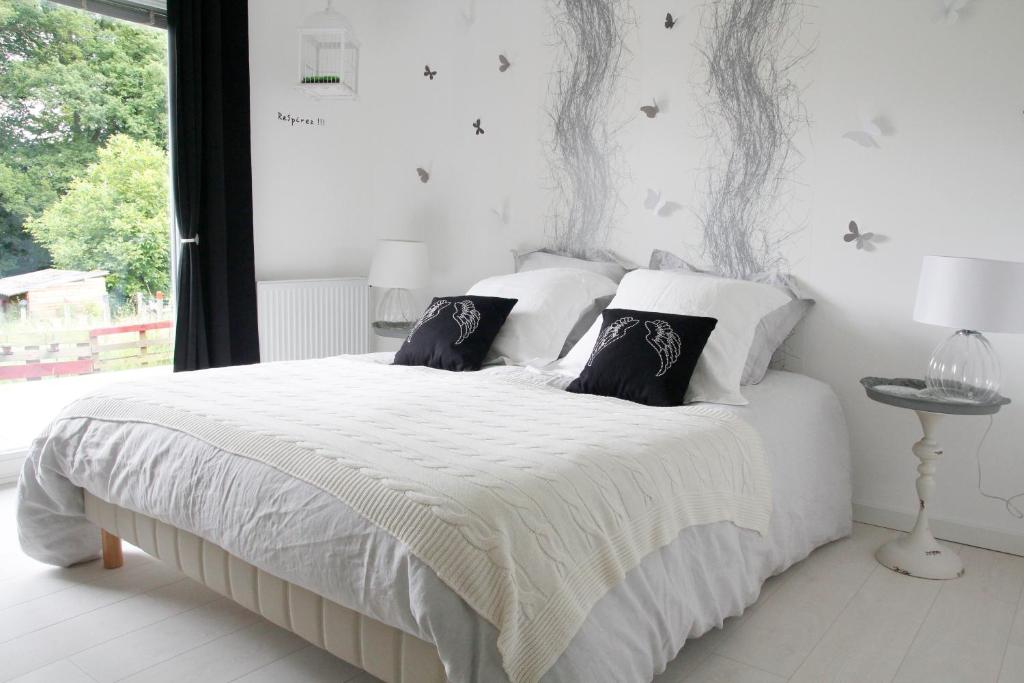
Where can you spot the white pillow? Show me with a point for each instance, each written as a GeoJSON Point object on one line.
{"type": "Point", "coordinates": [551, 300]}
{"type": "Point", "coordinates": [774, 328]}
{"type": "Point", "coordinates": [736, 304]}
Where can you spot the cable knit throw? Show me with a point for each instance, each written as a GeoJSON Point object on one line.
{"type": "Point", "coordinates": [528, 501]}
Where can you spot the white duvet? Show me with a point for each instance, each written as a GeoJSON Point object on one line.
{"type": "Point", "coordinates": [311, 538]}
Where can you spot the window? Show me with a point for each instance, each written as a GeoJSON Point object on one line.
{"type": "Point", "coordinates": [85, 229]}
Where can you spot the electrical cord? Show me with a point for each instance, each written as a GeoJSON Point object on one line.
{"type": "Point", "coordinates": [1011, 507]}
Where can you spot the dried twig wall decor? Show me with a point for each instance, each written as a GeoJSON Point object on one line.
{"type": "Point", "coordinates": [753, 112]}
{"type": "Point", "coordinates": [584, 156]}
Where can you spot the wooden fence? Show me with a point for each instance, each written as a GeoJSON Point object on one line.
{"type": "Point", "coordinates": [104, 348]}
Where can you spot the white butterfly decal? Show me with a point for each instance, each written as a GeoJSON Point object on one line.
{"type": "Point", "coordinates": [433, 310]}
{"type": "Point", "coordinates": [468, 13]}
{"type": "Point", "coordinates": [613, 333]}
{"type": "Point", "coordinates": [467, 317]}
{"type": "Point", "coordinates": [658, 205]}
{"type": "Point", "coordinates": [665, 342]}
{"type": "Point", "coordinates": [952, 8]}
{"type": "Point", "coordinates": [502, 212]}
{"type": "Point", "coordinates": [867, 136]}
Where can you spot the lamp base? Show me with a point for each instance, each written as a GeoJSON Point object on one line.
{"type": "Point", "coordinates": [964, 368]}
{"type": "Point", "coordinates": [394, 330]}
{"type": "Point", "coordinates": [395, 309]}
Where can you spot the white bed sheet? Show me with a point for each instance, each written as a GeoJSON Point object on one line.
{"type": "Point", "coordinates": [299, 533]}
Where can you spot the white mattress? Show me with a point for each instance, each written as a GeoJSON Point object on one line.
{"type": "Point", "coordinates": [299, 533]}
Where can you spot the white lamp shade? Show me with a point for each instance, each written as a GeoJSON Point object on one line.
{"type": "Point", "coordinates": [971, 294]}
{"type": "Point", "coordinates": [400, 264]}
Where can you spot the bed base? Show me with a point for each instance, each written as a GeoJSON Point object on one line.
{"type": "Point", "coordinates": [384, 651]}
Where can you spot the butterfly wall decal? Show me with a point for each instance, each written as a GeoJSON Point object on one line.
{"type": "Point", "coordinates": [468, 13]}
{"type": "Point", "coordinates": [863, 240]}
{"type": "Point", "coordinates": [423, 174]}
{"type": "Point", "coordinates": [670, 21]}
{"type": "Point", "coordinates": [952, 10]}
{"type": "Point", "coordinates": [867, 135]}
{"type": "Point", "coordinates": [503, 63]}
{"type": "Point", "coordinates": [428, 73]}
{"type": "Point", "coordinates": [502, 212]}
{"type": "Point", "coordinates": [477, 126]}
{"type": "Point", "coordinates": [651, 110]}
{"type": "Point", "coordinates": [659, 206]}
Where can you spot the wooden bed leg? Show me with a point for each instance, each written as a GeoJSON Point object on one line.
{"type": "Point", "coordinates": [113, 557]}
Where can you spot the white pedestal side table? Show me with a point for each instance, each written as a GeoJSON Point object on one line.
{"type": "Point", "coordinates": [918, 553]}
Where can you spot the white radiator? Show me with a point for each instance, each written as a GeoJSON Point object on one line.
{"type": "Point", "coordinates": [301, 319]}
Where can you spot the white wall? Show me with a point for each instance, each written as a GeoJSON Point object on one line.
{"type": "Point", "coordinates": [949, 180]}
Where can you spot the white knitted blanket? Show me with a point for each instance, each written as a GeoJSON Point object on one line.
{"type": "Point", "coordinates": [528, 501]}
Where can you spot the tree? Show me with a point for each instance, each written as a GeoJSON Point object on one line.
{"type": "Point", "coordinates": [69, 81]}
{"type": "Point", "coordinates": [115, 217]}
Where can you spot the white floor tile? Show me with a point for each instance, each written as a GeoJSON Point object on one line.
{"type": "Point", "coordinates": [308, 665]}
{"type": "Point", "coordinates": [1013, 661]}
{"type": "Point", "coordinates": [226, 658]}
{"type": "Point", "coordinates": [56, 607]}
{"type": "Point", "coordinates": [869, 639]}
{"type": "Point", "coordinates": [71, 636]}
{"type": "Point", "coordinates": [48, 580]}
{"type": "Point", "coordinates": [58, 672]}
{"type": "Point", "coordinates": [963, 638]}
{"type": "Point", "coordinates": [992, 574]}
{"type": "Point", "coordinates": [138, 650]}
{"type": "Point", "coordinates": [1013, 665]}
{"type": "Point", "coordinates": [784, 630]}
{"type": "Point", "coordinates": [718, 669]}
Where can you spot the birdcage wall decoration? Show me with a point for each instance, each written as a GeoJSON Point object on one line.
{"type": "Point", "coordinates": [328, 56]}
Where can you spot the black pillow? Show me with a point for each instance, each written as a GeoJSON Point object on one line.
{"type": "Point", "coordinates": [644, 357]}
{"type": "Point", "coordinates": [455, 332]}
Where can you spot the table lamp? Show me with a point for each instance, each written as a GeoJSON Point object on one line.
{"type": "Point", "coordinates": [398, 266]}
{"type": "Point", "coordinates": [971, 295]}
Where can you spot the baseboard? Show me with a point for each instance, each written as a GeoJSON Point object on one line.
{"type": "Point", "coordinates": [10, 465]}
{"type": "Point", "coordinates": [944, 529]}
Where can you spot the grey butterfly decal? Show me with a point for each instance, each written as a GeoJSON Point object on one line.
{"type": "Point", "coordinates": [428, 73]}
{"type": "Point", "coordinates": [670, 21]}
{"type": "Point", "coordinates": [479, 130]}
{"type": "Point", "coordinates": [665, 342]}
{"type": "Point", "coordinates": [503, 63]}
{"type": "Point", "coordinates": [864, 240]}
{"type": "Point", "coordinates": [423, 174]}
{"type": "Point", "coordinates": [467, 317]}
{"type": "Point", "coordinates": [650, 110]}
{"type": "Point", "coordinates": [611, 334]}
{"type": "Point", "coordinates": [433, 310]}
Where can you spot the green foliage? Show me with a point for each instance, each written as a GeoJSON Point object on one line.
{"type": "Point", "coordinates": [69, 81]}
{"type": "Point", "coordinates": [114, 217]}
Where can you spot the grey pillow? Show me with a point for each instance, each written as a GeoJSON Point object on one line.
{"type": "Point", "coordinates": [605, 264]}
{"type": "Point", "coordinates": [584, 322]}
{"type": "Point", "coordinates": [772, 330]}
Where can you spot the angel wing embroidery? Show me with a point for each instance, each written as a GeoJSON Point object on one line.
{"type": "Point", "coordinates": [467, 317]}
{"type": "Point", "coordinates": [433, 310]}
{"type": "Point", "coordinates": [613, 333]}
{"type": "Point", "coordinates": [664, 340]}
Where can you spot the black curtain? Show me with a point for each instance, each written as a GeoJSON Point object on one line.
{"type": "Point", "coordinates": [216, 296]}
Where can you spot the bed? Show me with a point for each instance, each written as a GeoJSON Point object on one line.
{"type": "Point", "coordinates": [283, 543]}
